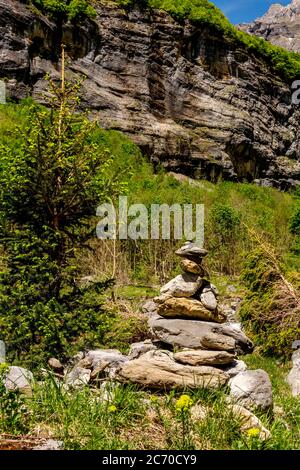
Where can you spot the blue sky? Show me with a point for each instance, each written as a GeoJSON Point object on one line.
{"type": "Point", "coordinates": [243, 11]}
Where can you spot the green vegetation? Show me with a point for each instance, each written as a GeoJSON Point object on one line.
{"type": "Point", "coordinates": [62, 10]}
{"type": "Point", "coordinates": [124, 417]}
{"type": "Point", "coordinates": [52, 178]}
{"type": "Point", "coordinates": [231, 210]}
{"type": "Point", "coordinates": [203, 12]}
{"type": "Point", "coordinates": [271, 309]}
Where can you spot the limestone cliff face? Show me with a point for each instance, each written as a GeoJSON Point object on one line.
{"type": "Point", "coordinates": [280, 25]}
{"type": "Point", "coordinates": [190, 100]}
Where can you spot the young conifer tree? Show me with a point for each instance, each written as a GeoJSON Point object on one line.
{"type": "Point", "coordinates": [50, 188]}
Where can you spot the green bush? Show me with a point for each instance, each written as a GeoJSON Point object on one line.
{"type": "Point", "coordinates": [295, 222]}
{"type": "Point", "coordinates": [271, 308]}
{"type": "Point", "coordinates": [73, 10]}
{"type": "Point", "coordinates": [52, 180]}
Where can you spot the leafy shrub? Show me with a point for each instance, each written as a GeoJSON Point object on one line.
{"type": "Point", "coordinates": [72, 10]}
{"type": "Point", "coordinates": [295, 222]}
{"type": "Point", "coordinates": [51, 184]}
{"type": "Point", "coordinates": [271, 308]}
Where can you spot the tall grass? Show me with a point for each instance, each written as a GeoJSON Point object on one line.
{"type": "Point", "coordinates": [124, 417]}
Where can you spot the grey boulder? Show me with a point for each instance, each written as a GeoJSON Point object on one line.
{"type": "Point", "coordinates": [293, 378]}
{"type": "Point", "coordinates": [235, 368]}
{"type": "Point", "coordinates": [77, 377]}
{"type": "Point", "coordinates": [19, 379]}
{"type": "Point", "coordinates": [194, 334]}
{"type": "Point", "coordinates": [252, 389]}
{"type": "Point", "coordinates": [107, 361]}
{"type": "Point", "coordinates": [106, 355]}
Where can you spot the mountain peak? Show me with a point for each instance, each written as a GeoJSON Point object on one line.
{"type": "Point", "coordinates": [280, 25]}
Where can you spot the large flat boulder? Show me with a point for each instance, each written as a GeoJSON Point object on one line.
{"type": "Point", "coordinates": [198, 357]}
{"type": "Point", "coordinates": [158, 370]}
{"type": "Point", "coordinates": [183, 307]}
{"type": "Point", "coordinates": [195, 334]}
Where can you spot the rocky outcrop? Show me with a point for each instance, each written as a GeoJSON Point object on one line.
{"type": "Point", "coordinates": [280, 25]}
{"type": "Point", "coordinates": [192, 101]}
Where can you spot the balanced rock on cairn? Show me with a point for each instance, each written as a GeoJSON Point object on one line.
{"type": "Point", "coordinates": [188, 319]}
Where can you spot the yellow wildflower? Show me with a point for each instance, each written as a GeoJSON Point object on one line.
{"type": "Point", "coordinates": [183, 403]}
{"type": "Point", "coordinates": [253, 432]}
{"type": "Point", "coordinates": [112, 409]}
{"type": "Point", "coordinates": [154, 399]}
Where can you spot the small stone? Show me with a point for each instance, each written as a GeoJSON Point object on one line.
{"type": "Point", "coordinates": [85, 363]}
{"type": "Point", "coordinates": [77, 377]}
{"type": "Point", "coordinates": [201, 357]}
{"type": "Point", "coordinates": [198, 413]}
{"type": "Point", "coordinates": [190, 249]}
{"type": "Point", "coordinates": [252, 389]}
{"type": "Point", "coordinates": [293, 377]}
{"type": "Point", "coordinates": [99, 369]}
{"type": "Point", "coordinates": [250, 421]}
{"type": "Point", "coordinates": [190, 266]}
{"type": "Point", "coordinates": [184, 285]}
{"type": "Point", "coordinates": [231, 289]}
{"type": "Point", "coordinates": [235, 368]}
{"type": "Point", "coordinates": [50, 444]}
{"type": "Point", "coordinates": [20, 379]}
{"type": "Point", "coordinates": [149, 308]}
{"type": "Point", "coordinates": [189, 308]}
{"type": "Point", "coordinates": [138, 349]}
{"type": "Point", "coordinates": [55, 365]}
{"type": "Point", "coordinates": [208, 299]}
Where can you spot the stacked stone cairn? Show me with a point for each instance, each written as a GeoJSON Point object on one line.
{"type": "Point", "coordinates": [193, 346]}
